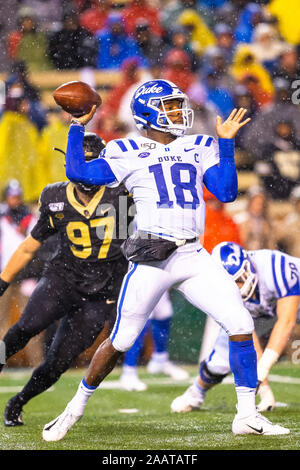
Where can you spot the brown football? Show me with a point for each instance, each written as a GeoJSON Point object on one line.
{"type": "Point", "coordinates": [77, 98]}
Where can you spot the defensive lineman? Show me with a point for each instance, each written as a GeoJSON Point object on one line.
{"type": "Point", "coordinates": [80, 283]}
{"type": "Point", "coordinates": [269, 282]}
{"type": "Point", "coordinates": [165, 172]}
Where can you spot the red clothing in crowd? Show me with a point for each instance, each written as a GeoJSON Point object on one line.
{"type": "Point", "coordinates": [129, 77]}
{"type": "Point", "coordinates": [219, 226]}
{"type": "Point", "coordinates": [94, 18]}
{"type": "Point", "coordinates": [177, 69]}
{"type": "Point", "coordinates": [13, 41]}
{"type": "Point", "coordinates": [105, 122]}
{"type": "Point", "coordinates": [138, 11]}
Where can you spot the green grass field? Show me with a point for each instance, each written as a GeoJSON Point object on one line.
{"type": "Point", "coordinates": [152, 426]}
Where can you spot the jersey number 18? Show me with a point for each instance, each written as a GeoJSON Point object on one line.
{"type": "Point", "coordinates": [179, 185]}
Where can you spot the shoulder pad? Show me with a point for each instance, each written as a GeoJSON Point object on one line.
{"type": "Point", "coordinates": [127, 144]}
{"type": "Point", "coordinates": [203, 140]}
{"type": "Point", "coordinates": [53, 192]}
{"type": "Point", "coordinates": [285, 275]}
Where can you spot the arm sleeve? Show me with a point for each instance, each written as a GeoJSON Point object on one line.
{"type": "Point", "coordinates": [221, 179]}
{"type": "Point", "coordinates": [77, 169]}
{"type": "Point", "coordinates": [44, 226]}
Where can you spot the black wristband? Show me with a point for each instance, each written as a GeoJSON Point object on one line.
{"type": "Point", "coordinates": [3, 286]}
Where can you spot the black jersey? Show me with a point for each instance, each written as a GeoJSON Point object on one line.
{"type": "Point", "coordinates": [88, 252]}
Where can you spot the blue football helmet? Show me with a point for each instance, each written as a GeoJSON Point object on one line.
{"type": "Point", "coordinates": [238, 264]}
{"type": "Point", "coordinates": [148, 107]}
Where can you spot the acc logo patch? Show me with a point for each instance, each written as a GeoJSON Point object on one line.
{"type": "Point", "coordinates": [59, 216]}
{"type": "Point", "coordinates": [144, 154]}
{"type": "Point", "coordinates": [56, 206]}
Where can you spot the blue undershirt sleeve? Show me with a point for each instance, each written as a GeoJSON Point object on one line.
{"type": "Point", "coordinates": [77, 169]}
{"type": "Point", "coordinates": [221, 180]}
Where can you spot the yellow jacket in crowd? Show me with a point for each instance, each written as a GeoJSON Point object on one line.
{"type": "Point", "coordinates": [19, 153]}
{"type": "Point", "coordinates": [201, 36]}
{"type": "Point", "coordinates": [51, 163]}
{"type": "Point", "coordinates": [245, 64]}
{"type": "Point", "coordinates": [288, 13]}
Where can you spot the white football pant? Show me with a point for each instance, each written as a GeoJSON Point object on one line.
{"type": "Point", "coordinates": [163, 309]}
{"type": "Point", "coordinates": [192, 271]}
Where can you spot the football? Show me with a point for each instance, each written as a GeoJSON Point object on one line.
{"type": "Point", "coordinates": [76, 98]}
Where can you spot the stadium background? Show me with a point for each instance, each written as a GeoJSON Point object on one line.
{"type": "Point", "coordinates": [222, 53]}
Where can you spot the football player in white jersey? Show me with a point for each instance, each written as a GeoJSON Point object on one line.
{"type": "Point", "coordinates": [269, 282]}
{"type": "Point", "coordinates": [165, 172]}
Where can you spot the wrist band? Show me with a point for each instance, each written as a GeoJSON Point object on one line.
{"type": "Point", "coordinates": [3, 286]}
{"type": "Point", "coordinates": [265, 363]}
{"type": "Point", "coordinates": [226, 148]}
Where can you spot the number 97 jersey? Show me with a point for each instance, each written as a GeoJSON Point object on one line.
{"type": "Point", "coordinates": [165, 181]}
{"type": "Point", "coordinates": [88, 253]}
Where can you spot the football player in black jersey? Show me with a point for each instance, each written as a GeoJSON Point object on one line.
{"type": "Point", "coordinates": [80, 282]}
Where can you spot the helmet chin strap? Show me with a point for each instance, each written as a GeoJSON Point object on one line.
{"type": "Point", "coordinates": [166, 130]}
{"type": "Point", "coordinates": [86, 189]}
{"type": "Point", "coordinates": [177, 132]}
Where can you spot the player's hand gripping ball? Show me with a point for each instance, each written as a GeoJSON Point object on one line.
{"type": "Point", "coordinates": [76, 98]}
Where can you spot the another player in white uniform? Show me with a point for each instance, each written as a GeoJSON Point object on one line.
{"type": "Point", "coordinates": [269, 282]}
{"type": "Point", "coordinates": [165, 172]}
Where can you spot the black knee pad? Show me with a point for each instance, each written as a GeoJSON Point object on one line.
{"type": "Point", "coordinates": [208, 376]}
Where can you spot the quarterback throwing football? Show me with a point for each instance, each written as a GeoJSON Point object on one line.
{"type": "Point", "coordinates": [165, 172]}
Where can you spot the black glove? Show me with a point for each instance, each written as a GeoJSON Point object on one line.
{"type": "Point", "coordinates": [3, 286]}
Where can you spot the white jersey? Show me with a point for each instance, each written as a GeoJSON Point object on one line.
{"type": "Point", "coordinates": [278, 276]}
{"type": "Point", "coordinates": [165, 181]}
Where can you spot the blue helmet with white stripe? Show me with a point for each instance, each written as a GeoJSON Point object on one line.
{"type": "Point", "coordinates": [238, 264]}
{"type": "Point", "coordinates": [148, 107]}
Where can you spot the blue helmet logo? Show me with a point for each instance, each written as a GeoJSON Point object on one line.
{"type": "Point", "coordinates": [148, 107]}
{"type": "Point", "coordinates": [237, 263]}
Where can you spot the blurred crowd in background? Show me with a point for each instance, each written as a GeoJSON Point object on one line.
{"type": "Point", "coordinates": [222, 53]}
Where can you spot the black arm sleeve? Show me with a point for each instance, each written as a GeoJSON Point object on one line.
{"type": "Point", "coordinates": [44, 227]}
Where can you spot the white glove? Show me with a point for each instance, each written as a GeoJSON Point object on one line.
{"type": "Point", "coordinates": [267, 402]}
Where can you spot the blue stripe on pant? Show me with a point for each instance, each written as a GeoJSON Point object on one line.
{"type": "Point", "coordinates": [122, 296]}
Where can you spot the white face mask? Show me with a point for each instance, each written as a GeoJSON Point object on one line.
{"type": "Point", "coordinates": [164, 123]}
{"type": "Point", "coordinates": [248, 279]}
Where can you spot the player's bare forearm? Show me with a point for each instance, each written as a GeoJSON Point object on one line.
{"type": "Point", "coordinates": [280, 335]}
{"type": "Point", "coordinates": [287, 309]}
{"type": "Point", "coordinates": [20, 258]}
{"type": "Point", "coordinates": [257, 345]}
